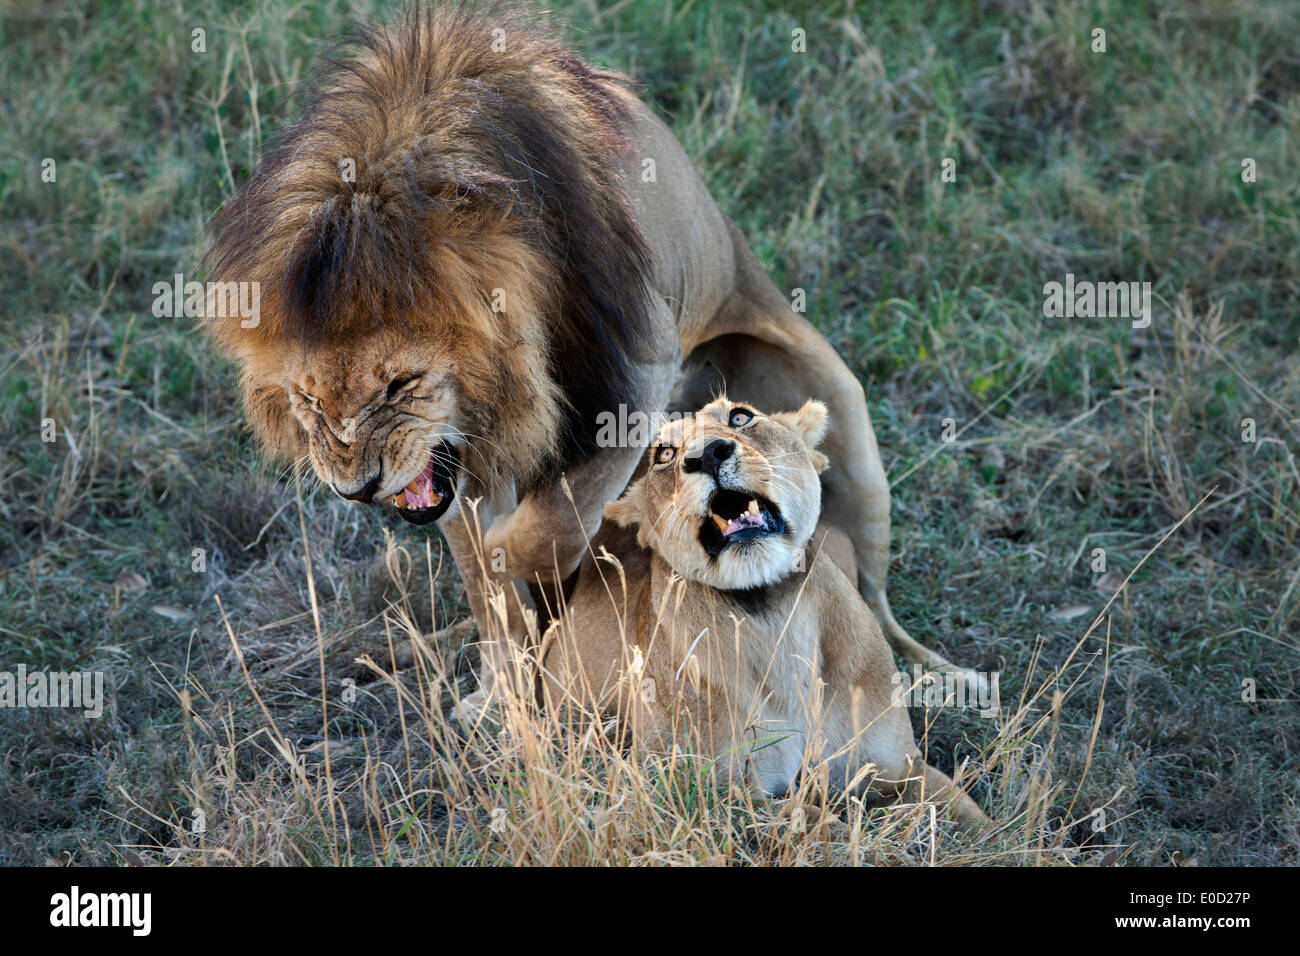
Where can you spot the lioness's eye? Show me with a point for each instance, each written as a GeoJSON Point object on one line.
{"type": "Point", "coordinates": [399, 383]}
{"type": "Point", "coordinates": [664, 454]}
{"type": "Point", "coordinates": [739, 417]}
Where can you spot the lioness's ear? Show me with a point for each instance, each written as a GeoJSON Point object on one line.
{"type": "Point", "coordinates": [626, 511]}
{"type": "Point", "coordinates": [809, 422]}
{"type": "Point", "coordinates": [813, 419]}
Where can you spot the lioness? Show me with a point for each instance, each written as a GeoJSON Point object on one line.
{"type": "Point", "coordinates": [725, 630]}
{"type": "Point", "coordinates": [470, 248]}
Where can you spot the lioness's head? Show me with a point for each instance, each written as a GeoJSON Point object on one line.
{"type": "Point", "coordinates": [451, 279]}
{"type": "Point", "coordinates": [731, 496]}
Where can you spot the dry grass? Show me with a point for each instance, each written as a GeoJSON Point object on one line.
{"type": "Point", "coordinates": [1072, 436]}
{"type": "Point", "coordinates": [394, 780]}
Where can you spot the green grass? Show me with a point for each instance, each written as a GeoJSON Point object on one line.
{"type": "Point", "coordinates": [1073, 434]}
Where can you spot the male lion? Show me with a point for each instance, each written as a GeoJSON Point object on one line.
{"type": "Point", "coordinates": [726, 634]}
{"type": "Point", "coordinates": [472, 245]}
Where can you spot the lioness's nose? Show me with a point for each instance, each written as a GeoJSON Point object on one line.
{"type": "Point", "coordinates": [711, 458]}
{"type": "Point", "coordinates": [363, 495]}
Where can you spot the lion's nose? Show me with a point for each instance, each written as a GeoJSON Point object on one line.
{"type": "Point", "coordinates": [710, 459]}
{"type": "Point", "coordinates": [364, 494]}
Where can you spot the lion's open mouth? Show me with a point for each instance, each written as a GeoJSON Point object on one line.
{"type": "Point", "coordinates": [736, 517]}
{"type": "Point", "coordinates": [429, 496]}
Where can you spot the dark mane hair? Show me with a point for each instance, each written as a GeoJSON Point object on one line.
{"type": "Point", "coordinates": [454, 143]}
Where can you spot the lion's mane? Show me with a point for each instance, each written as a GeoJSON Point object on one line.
{"type": "Point", "coordinates": [475, 170]}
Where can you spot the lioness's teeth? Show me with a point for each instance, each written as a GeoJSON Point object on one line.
{"type": "Point", "coordinates": [721, 522]}
{"type": "Point", "coordinates": [412, 486]}
{"type": "Point", "coordinates": [399, 500]}
{"type": "Point", "coordinates": [435, 499]}
{"type": "Point", "coordinates": [753, 506]}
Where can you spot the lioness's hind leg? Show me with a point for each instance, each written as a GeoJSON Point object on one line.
{"type": "Point", "coordinates": [906, 646]}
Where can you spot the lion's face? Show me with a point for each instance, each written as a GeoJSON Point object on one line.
{"type": "Point", "coordinates": [383, 422]}
{"type": "Point", "coordinates": [731, 496]}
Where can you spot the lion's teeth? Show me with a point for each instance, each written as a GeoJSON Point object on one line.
{"type": "Point", "coordinates": [399, 500]}
{"type": "Point", "coordinates": [413, 487]}
{"type": "Point", "coordinates": [753, 506]}
{"type": "Point", "coordinates": [721, 522]}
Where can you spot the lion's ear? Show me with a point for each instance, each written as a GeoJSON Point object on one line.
{"type": "Point", "coordinates": [626, 511]}
{"type": "Point", "coordinates": [809, 423]}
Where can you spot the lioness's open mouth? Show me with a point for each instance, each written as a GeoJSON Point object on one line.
{"type": "Point", "coordinates": [736, 517]}
{"type": "Point", "coordinates": [427, 497]}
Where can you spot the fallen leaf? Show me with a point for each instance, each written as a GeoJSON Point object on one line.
{"type": "Point", "coordinates": [171, 613]}
{"type": "Point", "coordinates": [1069, 613]}
{"type": "Point", "coordinates": [320, 745]}
{"type": "Point", "coordinates": [1108, 858]}
{"type": "Point", "coordinates": [131, 581]}
{"type": "Point", "coordinates": [130, 857]}
{"type": "Point", "coordinates": [1109, 582]}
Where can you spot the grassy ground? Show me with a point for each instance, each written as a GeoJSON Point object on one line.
{"type": "Point", "coordinates": [1071, 435]}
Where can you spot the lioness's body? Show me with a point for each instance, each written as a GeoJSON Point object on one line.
{"type": "Point", "coordinates": [790, 675]}
{"type": "Point", "coordinates": [674, 659]}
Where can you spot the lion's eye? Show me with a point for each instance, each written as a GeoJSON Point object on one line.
{"type": "Point", "coordinates": [399, 384]}
{"type": "Point", "coordinates": [664, 454]}
{"type": "Point", "coordinates": [739, 417]}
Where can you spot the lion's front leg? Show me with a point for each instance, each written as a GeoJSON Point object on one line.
{"type": "Point", "coordinates": [503, 611]}
{"type": "Point", "coordinates": [543, 539]}
{"type": "Point", "coordinates": [539, 543]}
{"type": "Point", "coordinates": [539, 540]}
